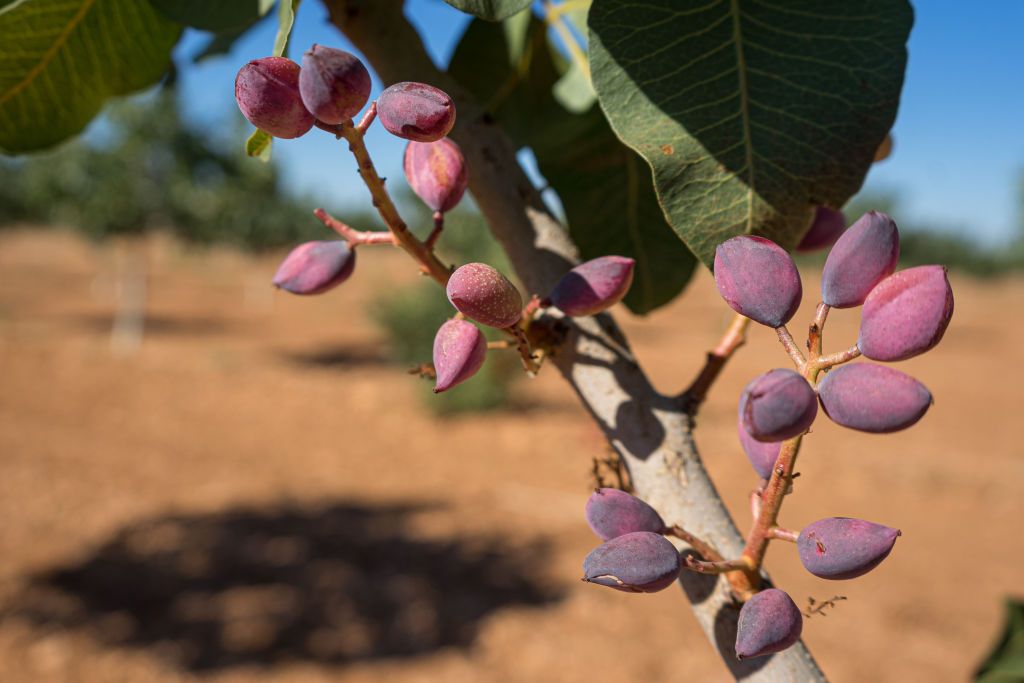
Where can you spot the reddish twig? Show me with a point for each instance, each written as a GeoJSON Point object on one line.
{"type": "Point", "coordinates": [435, 234]}
{"type": "Point", "coordinates": [791, 348]}
{"type": "Point", "coordinates": [353, 236]}
{"type": "Point", "coordinates": [734, 338]}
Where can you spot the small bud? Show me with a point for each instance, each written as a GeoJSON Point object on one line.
{"type": "Point", "coordinates": [612, 513]}
{"type": "Point", "coordinates": [761, 454]}
{"type": "Point", "coordinates": [334, 84]}
{"type": "Point", "coordinates": [873, 398]}
{"type": "Point", "coordinates": [828, 225]}
{"type": "Point", "coordinates": [906, 314]}
{"type": "Point", "coordinates": [594, 286]}
{"type": "Point", "coordinates": [480, 292]}
{"type": "Point", "coordinates": [315, 267]}
{"type": "Point", "coordinates": [459, 352]}
{"type": "Point", "coordinates": [638, 562]}
{"type": "Point", "coordinates": [769, 622]}
{"type": "Point", "coordinates": [758, 279]}
{"type": "Point", "coordinates": [777, 405]}
{"type": "Point", "coordinates": [436, 172]}
{"type": "Point", "coordinates": [416, 111]}
{"type": "Point", "coordinates": [844, 548]}
{"type": "Point", "coordinates": [267, 92]}
{"type": "Point", "coordinates": [863, 256]}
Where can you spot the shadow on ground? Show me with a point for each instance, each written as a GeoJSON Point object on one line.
{"type": "Point", "coordinates": [328, 584]}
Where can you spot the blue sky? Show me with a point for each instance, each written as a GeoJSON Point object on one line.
{"type": "Point", "coordinates": [959, 134]}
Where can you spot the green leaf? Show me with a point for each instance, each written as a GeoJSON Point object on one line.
{"type": "Point", "coordinates": [490, 10]}
{"type": "Point", "coordinates": [750, 112]}
{"type": "Point", "coordinates": [213, 15]}
{"type": "Point", "coordinates": [285, 18]}
{"type": "Point", "coordinates": [608, 196]}
{"type": "Point", "coordinates": [1006, 661]}
{"type": "Point", "coordinates": [258, 145]}
{"type": "Point", "coordinates": [61, 61]}
{"type": "Point", "coordinates": [605, 188]}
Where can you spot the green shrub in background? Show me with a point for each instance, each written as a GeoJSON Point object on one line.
{"type": "Point", "coordinates": [410, 316]}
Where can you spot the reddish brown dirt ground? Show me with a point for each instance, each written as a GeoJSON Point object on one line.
{"type": "Point", "coordinates": [258, 496]}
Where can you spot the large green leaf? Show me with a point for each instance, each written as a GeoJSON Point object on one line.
{"type": "Point", "coordinates": [605, 188]}
{"type": "Point", "coordinates": [748, 111]}
{"type": "Point", "coordinates": [490, 10]}
{"type": "Point", "coordinates": [214, 15]}
{"type": "Point", "coordinates": [61, 59]}
{"type": "Point", "coordinates": [608, 196]}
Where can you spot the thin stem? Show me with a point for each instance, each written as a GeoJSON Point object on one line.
{"type": "Point", "coordinates": [755, 503]}
{"type": "Point", "coordinates": [530, 363]}
{"type": "Point", "coordinates": [784, 534]}
{"type": "Point", "coordinates": [500, 344]}
{"type": "Point", "coordinates": [697, 544]}
{"type": "Point", "coordinates": [353, 236]}
{"type": "Point", "coordinates": [771, 502]}
{"type": "Point", "coordinates": [720, 567]}
{"type": "Point", "coordinates": [435, 234]}
{"type": "Point", "coordinates": [735, 337]}
{"type": "Point", "coordinates": [816, 331]}
{"type": "Point", "coordinates": [837, 358]}
{"type": "Point", "coordinates": [791, 348]}
{"type": "Point", "coordinates": [430, 264]}
{"type": "Point", "coordinates": [368, 118]}
{"type": "Point", "coordinates": [554, 19]}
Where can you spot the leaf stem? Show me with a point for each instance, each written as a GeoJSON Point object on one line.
{"type": "Point", "coordinates": [555, 19]}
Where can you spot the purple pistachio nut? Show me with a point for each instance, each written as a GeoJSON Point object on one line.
{"type": "Point", "coordinates": [594, 286]}
{"type": "Point", "coordinates": [769, 622]}
{"type": "Point", "coordinates": [862, 257]}
{"type": "Point", "coordinates": [637, 562]}
{"type": "Point", "coordinates": [844, 548]}
{"type": "Point", "coordinates": [758, 279]}
{"type": "Point", "coordinates": [436, 172]}
{"type": "Point", "coordinates": [906, 314]}
{"type": "Point", "coordinates": [873, 398]}
{"type": "Point", "coordinates": [315, 267]}
{"type": "Point", "coordinates": [481, 293]}
{"type": "Point", "coordinates": [334, 84]}
{"type": "Point", "coordinates": [416, 111]}
{"type": "Point", "coordinates": [777, 405]}
{"type": "Point", "coordinates": [267, 92]}
{"type": "Point", "coordinates": [612, 513]}
{"type": "Point", "coordinates": [459, 352]}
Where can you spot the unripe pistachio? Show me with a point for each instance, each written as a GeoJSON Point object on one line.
{"type": "Point", "coordinates": [612, 513]}
{"type": "Point", "coordinates": [777, 405]}
{"type": "Point", "coordinates": [637, 562]}
{"type": "Point", "coordinates": [459, 351]}
{"type": "Point", "coordinates": [758, 279]}
{"type": "Point", "coordinates": [826, 228]}
{"type": "Point", "coordinates": [594, 286]}
{"type": "Point", "coordinates": [436, 172]}
{"type": "Point", "coordinates": [844, 548]}
{"type": "Point", "coordinates": [416, 111]}
{"type": "Point", "coordinates": [862, 257]}
{"type": "Point", "coordinates": [769, 622]}
{"type": "Point", "coordinates": [267, 92]}
{"type": "Point", "coordinates": [906, 314]}
{"type": "Point", "coordinates": [481, 293]}
{"type": "Point", "coordinates": [315, 267]}
{"type": "Point", "coordinates": [334, 84]}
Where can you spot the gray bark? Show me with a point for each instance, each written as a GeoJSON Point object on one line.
{"type": "Point", "coordinates": [651, 432]}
